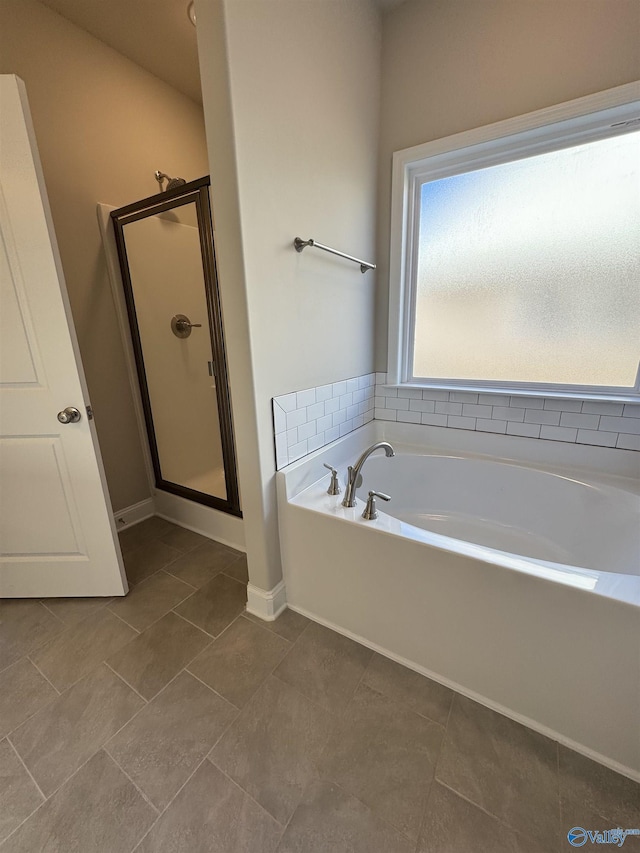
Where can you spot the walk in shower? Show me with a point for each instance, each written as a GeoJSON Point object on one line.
{"type": "Point", "coordinates": [167, 261]}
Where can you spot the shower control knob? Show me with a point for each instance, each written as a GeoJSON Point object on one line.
{"type": "Point", "coordinates": [70, 415]}
{"type": "Point", "coordinates": [181, 326]}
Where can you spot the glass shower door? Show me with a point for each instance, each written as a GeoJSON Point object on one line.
{"type": "Point", "coordinates": [176, 331]}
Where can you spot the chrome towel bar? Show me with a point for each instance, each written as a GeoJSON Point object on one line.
{"type": "Point", "coordinates": [300, 244]}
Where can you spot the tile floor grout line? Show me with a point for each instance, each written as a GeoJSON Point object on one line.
{"type": "Point", "coordinates": [74, 622]}
{"type": "Point", "coordinates": [488, 813]}
{"type": "Point", "coordinates": [49, 610]}
{"type": "Point", "coordinates": [434, 778]}
{"type": "Point", "coordinates": [338, 716]}
{"type": "Point", "coordinates": [124, 681]}
{"type": "Point", "coordinates": [96, 751]}
{"type": "Point", "coordinates": [135, 784]}
{"type": "Point", "coordinates": [164, 571]}
{"type": "Point", "coordinates": [430, 789]}
{"type": "Point", "coordinates": [341, 717]}
{"type": "Point", "coordinates": [59, 692]}
{"type": "Point", "coordinates": [262, 623]}
{"type": "Point", "coordinates": [213, 636]}
{"type": "Point", "coordinates": [208, 686]}
{"type": "Point", "coordinates": [135, 584]}
{"type": "Point", "coordinates": [84, 674]}
{"type": "Point", "coordinates": [22, 822]}
{"type": "Point", "coordinates": [162, 568]}
{"type": "Point", "coordinates": [231, 577]}
{"type": "Point", "coordinates": [224, 630]}
{"type": "Point", "coordinates": [262, 682]}
{"type": "Point", "coordinates": [377, 816]}
{"type": "Point", "coordinates": [444, 736]}
{"type": "Point", "coordinates": [291, 816]}
{"type": "Point", "coordinates": [560, 809]}
{"type": "Point", "coordinates": [306, 698]}
{"type": "Point", "coordinates": [125, 623]}
{"type": "Point", "coordinates": [405, 708]}
{"type": "Point", "coordinates": [200, 763]}
{"type": "Point", "coordinates": [232, 563]}
{"type": "Point", "coordinates": [406, 705]}
{"type": "Point", "coordinates": [41, 708]}
{"type": "Point", "coordinates": [462, 796]}
{"type": "Point", "coordinates": [156, 540]}
{"type": "Point", "coordinates": [250, 796]}
{"type": "Point", "coordinates": [195, 588]}
{"type": "Point", "coordinates": [243, 584]}
{"type": "Point", "coordinates": [31, 776]}
{"type": "Point", "coordinates": [268, 630]}
{"type": "Point", "coordinates": [138, 843]}
{"type": "Point", "coordinates": [63, 627]}
{"type": "Point", "coordinates": [223, 733]}
{"type": "Point", "coordinates": [155, 695]}
{"type": "Point", "coordinates": [146, 628]}
{"type": "Point", "coordinates": [161, 813]}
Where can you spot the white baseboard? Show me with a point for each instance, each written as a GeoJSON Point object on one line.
{"type": "Point", "coordinates": [131, 515]}
{"type": "Point", "coordinates": [209, 522]}
{"type": "Point", "coordinates": [266, 604]}
{"type": "Point", "coordinates": [471, 694]}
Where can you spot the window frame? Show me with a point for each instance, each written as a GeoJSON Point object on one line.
{"type": "Point", "coordinates": [605, 114]}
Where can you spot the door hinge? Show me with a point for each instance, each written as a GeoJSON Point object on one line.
{"type": "Point", "coordinates": [212, 369]}
{"type": "Point", "coordinates": [90, 413]}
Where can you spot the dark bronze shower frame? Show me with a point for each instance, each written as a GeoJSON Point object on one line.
{"type": "Point", "coordinates": [194, 192]}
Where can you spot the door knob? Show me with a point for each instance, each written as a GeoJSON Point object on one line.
{"type": "Point", "coordinates": [181, 326]}
{"type": "Point", "coordinates": [70, 415]}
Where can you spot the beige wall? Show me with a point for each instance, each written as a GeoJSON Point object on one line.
{"type": "Point", "coordinates": [453, 65]}
{"type": "Point", "coordinates": [302, 126]}
{"type": "Point", "coordinates": [103, 126]}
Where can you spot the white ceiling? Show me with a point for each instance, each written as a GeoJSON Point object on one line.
{"type": "Point", "coordinates": [156, 34]}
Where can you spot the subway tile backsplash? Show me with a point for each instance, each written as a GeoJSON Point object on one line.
{"type": "Point", "coordinates": [304, 421]}
{"type": "Point", "coordinates": [601, 424]}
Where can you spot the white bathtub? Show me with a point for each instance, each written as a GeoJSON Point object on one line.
{"type": "Point", "coordinates": [506, 568]}
{"type": "Point", "coordinates": [570, 519]}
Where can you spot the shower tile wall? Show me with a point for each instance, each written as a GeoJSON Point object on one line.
{"type": "Point", "coordinates": [307, 420]}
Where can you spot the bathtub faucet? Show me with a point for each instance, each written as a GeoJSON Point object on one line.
{"type": "Point", "coordinates": [354, 471]}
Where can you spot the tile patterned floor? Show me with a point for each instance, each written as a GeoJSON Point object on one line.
{"type": "Point", "coordinates": [172, 722]}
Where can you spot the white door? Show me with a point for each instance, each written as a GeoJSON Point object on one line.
{"type": "Point", "coordinates": [57, 535]}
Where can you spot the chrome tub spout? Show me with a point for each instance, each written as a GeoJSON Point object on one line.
{"type": "Point", "coordinates": [354, 471]}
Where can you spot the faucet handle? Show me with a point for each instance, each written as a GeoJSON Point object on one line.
{"type": "Point", "coordinates": [370, 511]}
{"type": "Point", "coordinates": [334, 486]}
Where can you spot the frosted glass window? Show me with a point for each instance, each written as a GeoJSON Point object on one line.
{"type": "Point", "coordinates": [529, 271]}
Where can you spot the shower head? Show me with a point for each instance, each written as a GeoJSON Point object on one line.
{"type": "Point", "coordinates": [172, 183]}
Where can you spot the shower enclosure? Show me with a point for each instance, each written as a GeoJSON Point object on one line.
{"type": "Point", "coordinates": [167, 260]}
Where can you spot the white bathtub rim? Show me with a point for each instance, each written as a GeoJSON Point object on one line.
{"type": "Point", "coordinates": [530, 723]}
{"type": "Point", "coordinates": [623, 588]}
